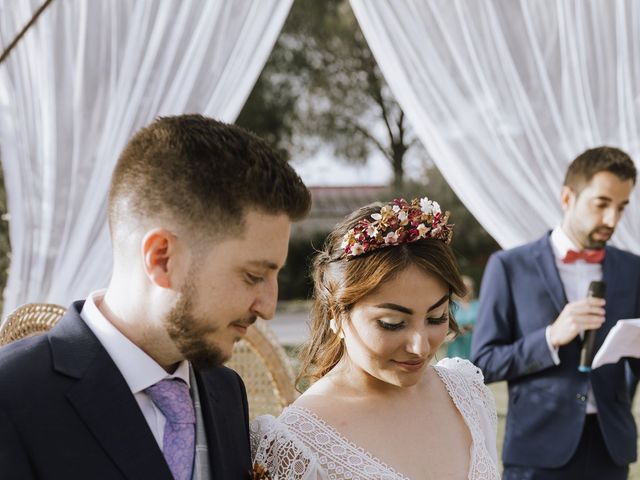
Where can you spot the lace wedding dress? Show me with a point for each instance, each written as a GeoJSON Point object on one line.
{"type": "Point", "coordinates": [299, 445]}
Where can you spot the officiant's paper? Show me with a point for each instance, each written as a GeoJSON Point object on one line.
{"type": "Point", "coordinates": [623, 340]}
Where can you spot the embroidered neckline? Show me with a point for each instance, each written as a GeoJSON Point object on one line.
{"type": "Point", "coordinates": [443, 376]}
{"type": "Point", "coordinates": [308, 413]}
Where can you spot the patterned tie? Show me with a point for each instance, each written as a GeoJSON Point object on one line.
{"type": "Point", "coordinates": [171, 396]}
{"type": "Point", "coordinates": [589, 256]}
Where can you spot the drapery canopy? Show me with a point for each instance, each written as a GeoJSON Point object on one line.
{"type": "Point", "coordinates": [504, 94]}
{"type": "Point", "coordinates": [82, 80]}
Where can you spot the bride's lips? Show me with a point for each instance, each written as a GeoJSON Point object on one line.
{"type": "Point", "coordinates": [412, 365]}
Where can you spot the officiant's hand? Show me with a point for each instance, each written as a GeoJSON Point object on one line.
{"type": "Point", "coordinates": [576, 317]}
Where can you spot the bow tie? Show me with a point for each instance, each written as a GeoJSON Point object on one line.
{"type": "Point", "coordinates": [589, 256]}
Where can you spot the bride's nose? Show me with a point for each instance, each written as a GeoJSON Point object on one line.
{"type": "Point", "coordinates": [418, 343]}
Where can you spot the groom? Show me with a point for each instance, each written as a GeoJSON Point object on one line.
{"type": "Point", "coordinates": [129, 383]}
{"type": "Point", "coordinates": [562, 423]}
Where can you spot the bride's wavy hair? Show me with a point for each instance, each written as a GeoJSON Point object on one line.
{"type": "Point", "coordinates": [340, 283]}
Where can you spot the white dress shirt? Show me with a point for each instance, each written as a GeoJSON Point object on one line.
{"type": "Point", "coordinates": [139, 370]}
{"type": "Point", "coordinates": [575, 278]}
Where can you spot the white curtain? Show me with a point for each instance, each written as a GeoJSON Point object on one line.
{"type": "Point", "coordinates": [83, 79]}
{"type": "Point", "coordinates": [505, 93]}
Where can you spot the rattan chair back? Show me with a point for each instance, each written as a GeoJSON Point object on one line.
{"type": "Point", "coordinates": [30, 319]}
{"type": "Point", "coordinates": [259, 359]}
{"type": "Point", "coordinates": [263, 365]}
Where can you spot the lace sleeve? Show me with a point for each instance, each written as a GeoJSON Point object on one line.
{"type": "Point", "coordinates": [483, 400]}
{"type": "Point", "coordinates": [277, 450]}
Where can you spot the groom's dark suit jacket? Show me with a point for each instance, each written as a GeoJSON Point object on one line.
{"type": "Point", "coordinates": [521, 295]}
{"type": "Point", "coordinates": [66, 412]}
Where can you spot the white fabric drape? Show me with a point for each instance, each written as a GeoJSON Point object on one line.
{"type": "Point", "coordinates": [504, 94]}
{"type": "Point", "coordinates": [83, 79]}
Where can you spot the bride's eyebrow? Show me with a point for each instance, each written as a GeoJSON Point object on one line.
{"type": "Point", "coordinates": [396, 307]}
{"type": "Point", "coordinates": [444, 298]}
{"type": "Point", "coordinates": [408, 311]}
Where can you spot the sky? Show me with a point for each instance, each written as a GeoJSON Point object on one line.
{"type": "Point", "coordinates": [324, 170]}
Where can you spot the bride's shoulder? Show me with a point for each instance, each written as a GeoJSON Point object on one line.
{"type": "Point", "coordinates": [464, 367]}
{"type": "Point", "coordinates": [456, 371]}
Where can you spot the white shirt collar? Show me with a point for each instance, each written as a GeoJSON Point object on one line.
{"type": "Point", "coordinates": [139, 370]}
{"type": "Point", "coordinates": [561, 243]}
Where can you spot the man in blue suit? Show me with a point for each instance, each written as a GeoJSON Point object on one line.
{"type": "Point", "coordinates": [130, 384]}
{"type": "Point", "coordinates": [561, 423]}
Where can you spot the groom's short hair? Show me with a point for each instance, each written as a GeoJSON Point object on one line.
{"type": "Point", "coordinates": [599, 159]}
{"type": "Point", "coordinates": [201, 173]}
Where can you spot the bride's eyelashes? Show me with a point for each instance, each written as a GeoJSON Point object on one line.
{"type": "Point", "coordinates": [386, 325]}
{"type": "Point", "coordinates": [390, 325]}
{"type": "Point", "coordinates": [439, 320]}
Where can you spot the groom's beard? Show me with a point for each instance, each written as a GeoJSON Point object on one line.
{"type": "Point", "coordinates": [189, 333]}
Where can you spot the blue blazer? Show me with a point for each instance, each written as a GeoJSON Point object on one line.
{"type": "Point", "coordinates": [67, 412]}
{"type": "Point", "coordinates": [521, 294]}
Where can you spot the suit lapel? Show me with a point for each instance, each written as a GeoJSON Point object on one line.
{"type": "Point", "coordinates": [103, 400]}
{"type": "Point", "coordinates": [613, 268]}
{"type": "Point", "coordinates": [213, 427]}
{"type": "Point", "coordinates": [546, 265]}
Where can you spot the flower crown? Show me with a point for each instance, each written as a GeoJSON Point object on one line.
{"type": "Point", "coordinates": [396, 223]}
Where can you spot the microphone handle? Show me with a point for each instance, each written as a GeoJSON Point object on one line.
{"type": "Point", "coordinates": [586, 352]}
{"type": "Point", "coordinates": [597, 289]}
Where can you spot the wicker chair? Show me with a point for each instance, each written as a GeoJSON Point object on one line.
{"type": "Point", "coordinates": [30, 319]}
{"type": "Point", "coordinates": [263, 365]}
{"type": "Point", "coordinates": [259, 359]}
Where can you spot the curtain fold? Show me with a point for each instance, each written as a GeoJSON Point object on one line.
{"type": "Point", "coordinates": [504, 94]}
{"type": "Point", "coordinates": [84, 78]}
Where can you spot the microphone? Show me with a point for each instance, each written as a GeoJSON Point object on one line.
{"type": "Point", "coordinates": [597, 290]}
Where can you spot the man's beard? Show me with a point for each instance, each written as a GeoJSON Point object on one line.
{"type": "Point", "coordinates": [189, 336]}
{"type": "Point", "coordinates": [594, 244]}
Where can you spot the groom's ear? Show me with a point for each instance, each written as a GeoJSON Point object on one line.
{"type": "Point", "coordinates": [160, 256]}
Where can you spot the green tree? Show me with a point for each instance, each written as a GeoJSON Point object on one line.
{"type": "Point", "coordinates": [322, 86]}
{"type": "Point", "coordinates": [5, 245]}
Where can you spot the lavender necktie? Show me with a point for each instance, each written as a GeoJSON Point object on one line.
{"type": "Point", "coordinates": [171, 396]}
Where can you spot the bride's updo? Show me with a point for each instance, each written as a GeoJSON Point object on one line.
{"type": "Point", "coordinates": [363, 252]}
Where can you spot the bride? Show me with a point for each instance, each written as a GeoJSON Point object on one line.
{"type": "Point", "coordinates": [376, 408]}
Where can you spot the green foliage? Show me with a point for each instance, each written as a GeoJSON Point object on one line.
{"type": "Point", "coordinates": [294, 279]}
{"type": "Point", "coordinates": [322, 86]}
{"type": "Point", "coordinates": [5, 245]}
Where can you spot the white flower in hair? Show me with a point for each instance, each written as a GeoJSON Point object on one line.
{"type": "Point", "coordinates": [391, 237]}
{"type": "Point", "coordinates": [435, 207]}
{"type": "Point", "coordinates": [402, 216]}
{"type": "Point", "coordinates": [426, 206]}
{"type": "Point", "coordinates": [372, 231]}
{"type": "Point", "coordinates": [422, 230]}
{"type": "Point", "coordinates": [357, 249]}
{"type": "Point", "coordinates": [376, 216]}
